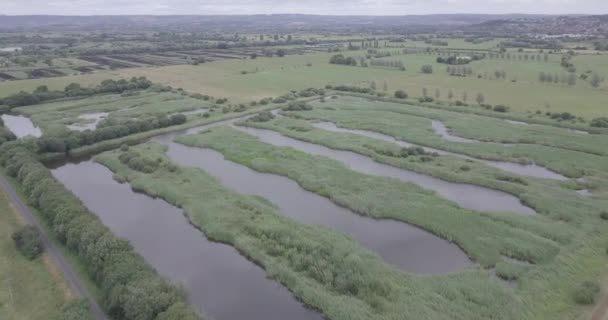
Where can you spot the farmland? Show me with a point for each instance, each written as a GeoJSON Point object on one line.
{"type": "Point", "coordinates": [271, 77]}
{"type": "Point", "coordinates": [305, 167]}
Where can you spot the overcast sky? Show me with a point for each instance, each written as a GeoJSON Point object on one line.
{"type": "Point", "coordinates": [343, 7]}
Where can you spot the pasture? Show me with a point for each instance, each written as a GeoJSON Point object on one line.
{"type": "Point", "coordinates": [243, 80]}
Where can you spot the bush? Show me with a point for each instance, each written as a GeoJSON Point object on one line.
{"type": "Point", "coordinates": [400, 94]}
{"type": "Point", "coordinates": [601, 122]}
{"type": "Point", "coordinates": [501, 108]}
{"type": "Point", "coordinates": [426, 99]}
{"type": "Point", "coordinates": [76, 310]}
{"type": "Point", "coordinates": [586, 293]}
{"type": "Point", "coordinates": [427, 68]}
{"type": "Point", "coordinates": [604, 215]}
{"type": "Point", "coordinates": [297, 106]}
{"type": "Point", "coordinates": [262, 117]}
{"type": "Point", "coordinates": [28, 242]}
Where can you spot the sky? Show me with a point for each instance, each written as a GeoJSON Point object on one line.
{"type": "Point", "coordinates": [330, 7]}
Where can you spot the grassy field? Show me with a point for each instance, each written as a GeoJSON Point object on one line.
{"type": "Point", "coordinates": [323, 268]}
{"type": "Point", "coordinates": [29, 290]}
{"type": "Point", "coordinates": [55, 83]}
{"type": "Point", "coordinates": [273, 77]}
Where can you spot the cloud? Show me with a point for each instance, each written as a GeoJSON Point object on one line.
{"type": "Point", "coordinates": [364, 7]}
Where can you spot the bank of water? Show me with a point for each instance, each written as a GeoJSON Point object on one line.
{"type": "Point", "coordinates": [216, 277]}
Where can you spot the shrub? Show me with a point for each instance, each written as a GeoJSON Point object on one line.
{"type": "Point", "coordinates": [501, 108]}
{"type": "Point", "coordinates": [297, 106]}
{"type": "Point", "coordinates": [124, 148]}
{"type": "Point", "coordinates": [586, 293]}
{"type": "Point", "coordinates": [465, 168]}
{"type": "Point", "coordinates": [400, 94]}
{"type": "Point", "coordinates": [604, 215]}
{"type": "Point", "coordinates": [28, 242]}
{"type": "Point", "coordinates": [426, 99]}
{"type": "Point", "coordinates": [262, 117]}
{"type": "Point", "coordinates": [427, 68]}
{"type": "Point", "coordinates": [601, 122]}
{"type": "Point", "coordinates": [76, 310]}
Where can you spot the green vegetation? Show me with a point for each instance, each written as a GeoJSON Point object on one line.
{"type": "Point", "coordinates": [571, 216]}
{"type": "Point", "coordinates": [27, 240]}
{"type": "Point", "coordinates": [130, 289]}
{"type": "Point", "coordinates": [525, 94]}
{"type": "Point", "coordinates": [586, 293]}
{"type": "Point", "coordinates": [558, 149]}
{"type": "Point", "coordinates": [323, 268]}
{"type": "Point", "coordinates": [381, 197]}
{"type": "Point", "coordinates": [29, 289]}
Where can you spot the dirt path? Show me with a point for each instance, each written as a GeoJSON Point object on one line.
{"type": "Point", "coordinates": [601, 309]}
{"type": "Point", "coordinates": [74, 282]}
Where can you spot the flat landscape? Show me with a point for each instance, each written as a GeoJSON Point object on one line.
{"type": "Point", "coordinates": [304, 167]}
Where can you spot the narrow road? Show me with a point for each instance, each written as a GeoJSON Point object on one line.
{"type": "Point", "coordinates": [79, 289]}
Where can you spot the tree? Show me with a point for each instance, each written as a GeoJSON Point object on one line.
{"type": "Point", "coordinates": [427, 69]}
{"type": "Point", "coordinates": [450, 95]}
{"type": "Point", "coordinates": [372, 85]}
{"type": "Point", "coordinates": [542, 77]}
{"type": "Point", "coordinates": [425, 92]}
{"type": "Point", "coordinates": [465, 96]}
{"type": "Point", "coordinates": [480, 98]}
{"type": "Point", "coordinates": [385, 86]}
{"type": "Point", "coordinates": [281, 52]}
{"type": "Point", "coordinates": [437, 94]}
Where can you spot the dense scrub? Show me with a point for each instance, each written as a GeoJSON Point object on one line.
{"type": "Point", "coordinates": [129, 287]}
{"type": "Point", "coordinates": [323, 268]}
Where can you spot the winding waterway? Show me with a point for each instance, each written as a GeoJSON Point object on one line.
{"type": "Point", "coordinates": [400, 244]}
{"type": "Point", "coordinates": [217, 278]}
{"type": "Point", "coordinates": [529, 170]}
{"type": "Point", "coordinates": [465, 195]}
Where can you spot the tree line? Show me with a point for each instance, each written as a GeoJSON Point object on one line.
{"type": "Point", "coordinates": [129, 288]}
{"type": "Point", "coordinates": [42, 93]}
{"type": "Point", "coordinates": [106, 130]}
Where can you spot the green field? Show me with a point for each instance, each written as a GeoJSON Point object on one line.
{"type": "Point", "coordinates": [273, 77]}
{"type": "Point", "coordinates": [32, 290]}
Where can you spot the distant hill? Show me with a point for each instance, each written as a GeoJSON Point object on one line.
{"type": "Point", "coordinates": [293, 21]}
{"type": "Point", "coordinates": [552, 25]}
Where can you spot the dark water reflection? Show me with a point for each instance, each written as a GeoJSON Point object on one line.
{"type": "Point", "coordinates": [218, 279]}
{"type": "Point", "coordinates": [400, 244]}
